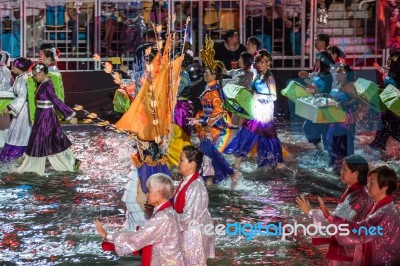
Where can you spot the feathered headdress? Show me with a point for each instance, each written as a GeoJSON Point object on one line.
{"type": "Point", "coordinates": [207, 55]}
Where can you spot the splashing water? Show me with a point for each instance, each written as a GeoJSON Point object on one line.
{"type": "Point", "coordinates": [48, 220]}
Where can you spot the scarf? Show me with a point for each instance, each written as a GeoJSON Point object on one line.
{"type": "Point", "coordinates": [179, 201]}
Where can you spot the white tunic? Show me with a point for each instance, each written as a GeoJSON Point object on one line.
{"type": "Point", "coordinates": [20, 128]}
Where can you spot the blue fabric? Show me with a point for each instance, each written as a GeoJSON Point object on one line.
{"type": "Point", "coordinates": [55, 16]}
{"type": "Point", "coordinates": [269, 150]}
{"type": "Point", "coordinates": [11, 43]}
{"type": "Point", "coordinates": [184, 84]}
{"type": "Point", "coordinates": [266, 41]}
{"type": "Point", "coordinates": [315, 132]}
{"type": "Point", "coordinates": [11, 152]}
{"type": "Point", "coordinates": [339, 95]}
{"type": "Point", "coordinates": [242, 143]}
{"type": "Point", "coordinates": [295, 42]}
{"type": "Point", "coordinates": [260, 86]}
{"type": "Point", "coordinates": [340, 142]}
{"type": "Point", "coordinates": [222, 169]}
{"type": "Point", "coordinates": [323, 82]}
{"type": "Point", "coordinates": [145, 171]}
{"type": "Point", "coordinates": [389, 80]}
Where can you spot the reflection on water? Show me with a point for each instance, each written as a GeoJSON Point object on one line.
{"type": "Point", "coordinates": [48, 220]}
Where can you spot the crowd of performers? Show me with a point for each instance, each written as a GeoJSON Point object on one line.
{"type": "Point", "coordinates": [333, 78]}
{"type": "Point", "coordinates": [161, 119]}
{"type": "Point", "coordinates": [31, 106]}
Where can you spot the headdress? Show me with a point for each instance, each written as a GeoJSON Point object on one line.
{"type": "Point", "coordinates": [54, 52]}
{"type": "Point", "coordinates": [22, 63]}
{"type": "Point", "coordinates": [39, 67]}
{"type": "Point", "coordinates": [207, 55]}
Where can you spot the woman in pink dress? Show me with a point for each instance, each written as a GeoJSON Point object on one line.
{"type": "Point", "coordinates": [377, 236]}
{"type": "Point", "coordinates": [190, 201]}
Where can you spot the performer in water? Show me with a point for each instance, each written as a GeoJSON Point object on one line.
{"type": "Point", "coordinates": [390, 122]}
{"type": "Point", "coordinates": [48, 55]}
{"type": "Point", "coordinates": [213, 120]}
{"type": "Point", "coordinates": [182, 130]}
{"type": "Point", "coordinates": [20, 128]}
{"type": "Point", "coordinates": [6, 81]}
{"type": "Point", "coordinates": [341, 136]}
{"type": "Point", "coordinates": [353, 205]}
{"type": "Point", "coordinates": [261, 130]}
{"type": "Point", "coordinates": [321, 83]}
{"type": "Point", "coordinates": [383, 246]}
{"type": "Point", "coordinates": [159, 237]}
{"type": "Point", "coordinates": [190, 201]}
{"type": "Point", "coordinates": [47, 140]}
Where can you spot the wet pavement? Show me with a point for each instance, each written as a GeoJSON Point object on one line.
{"type": "Point", "coordinates": [48, 220]}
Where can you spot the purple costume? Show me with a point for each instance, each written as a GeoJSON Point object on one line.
{"type": "Point", "coordinates": [47, 137]}
{"type": "Point", "coordinates": [183, 107]}
{"type": "Point", "coordinates": [262, 130]}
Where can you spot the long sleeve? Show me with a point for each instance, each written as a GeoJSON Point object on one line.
{"type": "Point", "coordinates": [6, 80]}
{"type": "Point", "coordinates": [386, 218]}
{"type": "Point", "coordinates": [31, 87]}
{"type": "Point", "coordinates": [58, 85]}
{"type": "Point", "coordinates": [246, 80]}
{"type": "Point", "coordinates": [323, 82]}
{"type": "Point", "coordinates": [217, 110]}
{"type": "Point", "coordinates": [161, 232]}
{"type": "Point", "coordinates": [20, 90]}
{"type": "Point", "coordinates": [65, 110]}
{"type": "Point", "coordinates": [149, 234]}
{"type": "Point", "coordinates": [196, 244]}
{"type": "Point", "coordinates": [196, 204]}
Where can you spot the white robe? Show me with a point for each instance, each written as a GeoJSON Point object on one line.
{"type": "Point", "coordinates": [20, 128]}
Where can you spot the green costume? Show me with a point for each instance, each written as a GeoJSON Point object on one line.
{"type": "Point", "coordinates": [56, 79]}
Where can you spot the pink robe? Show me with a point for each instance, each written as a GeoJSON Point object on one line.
{"type": "Point", "coordinates": [162, 232]}
{"type": "Point", "coordinates": [197, 246]}
{"type": "Point", "coordinates": [353, 206]}
{"type": "Point", "coordinates": [382, 250]}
